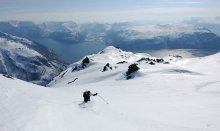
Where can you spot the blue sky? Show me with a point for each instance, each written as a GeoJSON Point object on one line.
{"type": "Point", "coordinates": [107, 10]}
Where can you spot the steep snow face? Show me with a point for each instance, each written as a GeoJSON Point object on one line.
{"type": "Point", "coordinates": [19, 59]}
{"type": "Point", "coordinates": [181, 96]}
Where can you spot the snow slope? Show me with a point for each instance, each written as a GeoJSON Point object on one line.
{"type": "Point", "coordinates": [181, 96]}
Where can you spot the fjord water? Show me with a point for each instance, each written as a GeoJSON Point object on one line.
{"type": "Point", "coordinates": [71, 52]}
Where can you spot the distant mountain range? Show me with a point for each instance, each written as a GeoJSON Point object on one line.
{"type": "Point", "coordinates": [127, 36]}
{"type": "Point", "coordinates": [145, 37]}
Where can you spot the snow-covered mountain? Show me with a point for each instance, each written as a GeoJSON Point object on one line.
{"type": "Point", "coordinates": [110, 64]}
{"type": "Point", "coordinates": [182, 95]}
{"type": "Point", "coordinates": [27, 60]}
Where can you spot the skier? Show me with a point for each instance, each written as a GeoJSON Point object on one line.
{"type": "Point", "coordinates": [87, 94]}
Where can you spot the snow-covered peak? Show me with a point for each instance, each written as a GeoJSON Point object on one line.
{"type": "Point", "coordinates": [112, 59]}
{"type": "Point", "coordinates": [114, 55]}
{"type": "Point", "coordinates": [111, 49]}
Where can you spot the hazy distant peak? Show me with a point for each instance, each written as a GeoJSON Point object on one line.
{"type": "Point", "coordinates": [151, 31]}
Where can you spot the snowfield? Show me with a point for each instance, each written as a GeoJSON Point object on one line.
{"type": "Point", "coordinates": [181, 96]}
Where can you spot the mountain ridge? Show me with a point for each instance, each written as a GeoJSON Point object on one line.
{"type": "Point", "coordinates": [24, 59]}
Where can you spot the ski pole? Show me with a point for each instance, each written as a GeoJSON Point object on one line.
{"type": "Point", "coordinates": [103, 99]}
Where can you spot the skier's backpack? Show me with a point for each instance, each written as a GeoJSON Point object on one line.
{"type": "Point", "coordinates": [86, 94]}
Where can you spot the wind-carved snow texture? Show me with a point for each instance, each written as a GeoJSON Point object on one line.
{"type": "Point", "coordinates": [183, 95]}
{"type": "Point", "coordinates": [19, 58]}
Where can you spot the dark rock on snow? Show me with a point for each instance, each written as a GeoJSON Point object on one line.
{"type": "Point", "coordinates": [131, 69]}
{"type": "Point", "coordinates": [106, 67]}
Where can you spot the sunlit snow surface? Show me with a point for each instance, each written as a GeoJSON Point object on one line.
{"type": "Point", "coordinates": [181, 96]}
